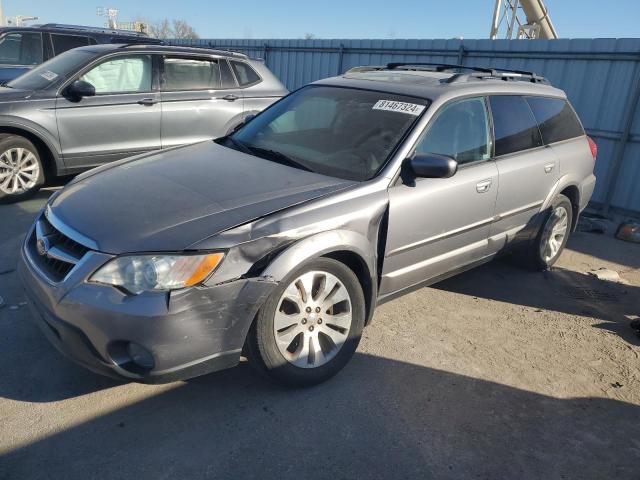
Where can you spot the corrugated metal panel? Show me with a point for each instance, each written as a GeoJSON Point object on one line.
{"type": "Point", "coordinates": [599, 76]}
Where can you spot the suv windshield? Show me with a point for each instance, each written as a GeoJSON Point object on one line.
{"type": "Point", "coordinates": [341, 132]}
{"type": "Point", "coordinates": [55, 70]}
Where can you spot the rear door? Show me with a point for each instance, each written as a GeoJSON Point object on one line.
{"type": "Point", "coordinates": [121, 120]}
{"type": "Point", "coordinates": [437, 225]}
{"type": "Point", "coordinates": [527, 169]}
{"type": "Point", "coordinates": [200, 99]}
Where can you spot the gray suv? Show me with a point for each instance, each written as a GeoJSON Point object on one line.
{"type": "Point", "coordinates": [278, 241]}
{"type": "Point", "coordinates": [95, 104]}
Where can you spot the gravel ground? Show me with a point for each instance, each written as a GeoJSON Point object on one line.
{"type": "Point", "coordinates": [495, 373]}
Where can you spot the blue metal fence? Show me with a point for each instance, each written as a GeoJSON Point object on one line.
{"type": "Point", "coordinates": [601, 78]}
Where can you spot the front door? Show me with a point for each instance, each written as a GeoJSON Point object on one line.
{"type": "Point", "coordinates": [121, 120]}
{"type": "Point", "coordinates": [439, 224]}
{"type": "Point", "coordinates": [200, 100]}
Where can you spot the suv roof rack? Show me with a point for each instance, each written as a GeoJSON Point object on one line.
{"type": "Point", "coordinates": [84, 28]}
{"type": "Point", "coordinates": [228, 53]}
{"type": "Point", "coordinates": [458, 70]}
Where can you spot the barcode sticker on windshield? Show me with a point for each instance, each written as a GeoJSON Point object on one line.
{"type": "Point", "coordinates": [48, 75]}
{"type": "Point", "coordinates": [402, 107]}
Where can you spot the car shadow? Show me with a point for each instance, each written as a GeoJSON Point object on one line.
{"type": "Point", "coordinates": [379, 418]}
{"type": "Point", "coordinates": [611, 305]}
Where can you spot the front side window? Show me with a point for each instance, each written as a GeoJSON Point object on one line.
{"type": "Point", "coordinates": [514, 126]}
{"type": "Point", "coordinates": [128, 74]}
{"type": "Point", "coordinates": [244, 73]}
{"type": "Point", "coordinates": [21, 48]}
{"type": "Point", "coordinates": [461, 131]}
{"type": "Point", "coordinates": [556, 119]}
{"type": "Point", "coordinates": [341, 132]}
{"type": "Point", "coordinates": [191, 74]}
{"type": "Point", "coordinates": [62, 43]}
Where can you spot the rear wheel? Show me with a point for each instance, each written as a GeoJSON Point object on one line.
{"type": "Point", "coordinates": [310, 326]}
{"type": "Point", "coordinates": [21, 171]}
{"type": "Point", "coordinates": [553, 236]}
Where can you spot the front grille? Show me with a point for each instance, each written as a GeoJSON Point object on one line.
{"type": "Point", "coordinates": [58, 253]}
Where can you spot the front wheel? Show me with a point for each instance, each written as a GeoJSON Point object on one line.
{"type": "Point", "coordinates": [21, 172]}
{"type": "Point", "coordinates": [310, 326]}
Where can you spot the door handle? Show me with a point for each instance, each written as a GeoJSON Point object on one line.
{"type": "Point", "coordinates": [229, 98]}
{"type": "Point", "coordinates": [483, 186]}
{"type": "Point", "coordinates": [147, 101]}
{"type": "Point", "coordinates": [549, 167]}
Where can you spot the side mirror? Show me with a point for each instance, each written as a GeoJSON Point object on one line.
{"type": "Point", "coordinates": [246, 120]}
{"type": "Point", "coordinates": [431, 165]}
{"type": "Point", "coordinates": [80, 88]}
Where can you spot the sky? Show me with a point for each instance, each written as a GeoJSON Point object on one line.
{"type": "Point", "coordinates": [342, 18]}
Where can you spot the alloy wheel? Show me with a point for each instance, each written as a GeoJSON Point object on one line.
{"type": "Point", "coordinates": [313, 319]}
{"type": "Point", "coordinates": [19, 170]}
{"type": "Point", "coordinates": [555, 231]}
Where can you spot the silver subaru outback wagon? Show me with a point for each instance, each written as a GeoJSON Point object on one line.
{"type": "Point", "coordinates": [277, 241]}
{"type": "Point", "coordinates": [101, 103]}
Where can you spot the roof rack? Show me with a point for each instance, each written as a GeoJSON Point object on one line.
{"type": "Point", "coordinates": [458, 70]}
{"type": "Point", "coordinates": [84, 28]}
{"type": "Point", "coordinates": [228, 53]}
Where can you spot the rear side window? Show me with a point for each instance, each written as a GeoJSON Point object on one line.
{"type": "Point", "coordinates": [514, 126]}
{"type": "Point", "coordinates": [62, 43]}
{"type": "Point", "coordinates": [556, 119]}
{"type": "Point", "coordinates": [191, 74]}
{"type": "Point", "coordinates": [245, 74]}
{"type": "Point", "coordinates": [21, 48]}
{"type": "Point", "coordinates": [226, 77]}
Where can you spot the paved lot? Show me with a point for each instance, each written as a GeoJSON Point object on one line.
{"type": "Point", "coordinates": [496, 373]}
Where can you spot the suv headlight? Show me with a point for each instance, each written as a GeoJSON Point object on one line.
{"type": "Point", "coordinates": [142, 273]}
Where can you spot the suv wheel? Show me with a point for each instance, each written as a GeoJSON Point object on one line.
{"type": "Point", "coordinates": [553, 235]}
{"type": "Point", "coordinates": [310, 326]}
{"type": "Point", "coordinates": [21, 172]}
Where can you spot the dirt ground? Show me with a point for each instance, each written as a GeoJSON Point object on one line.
{"type": "Point", "coordinates": [496, 373]}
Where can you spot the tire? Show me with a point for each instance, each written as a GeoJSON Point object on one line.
{"type": "Point", "coordinates": [337, 336]}
{"type": "Point", "coordinates": [541, 254]}
{"type": "Point", "coordinates": [16, 185]}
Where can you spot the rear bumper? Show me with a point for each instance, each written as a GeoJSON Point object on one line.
{"type": "Point", "coordinates": [587, 187]}
{"type": "Point", "coordinates": [187, 333]}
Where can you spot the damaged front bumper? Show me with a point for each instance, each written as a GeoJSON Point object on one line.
{"type": "Point", "coordinates": [154, 337]}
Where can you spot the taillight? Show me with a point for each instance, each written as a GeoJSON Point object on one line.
{"type": "Point", "coordinates": [593, 147]}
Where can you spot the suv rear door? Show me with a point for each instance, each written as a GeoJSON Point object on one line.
{"type": "Point", "coordinates": [527, 169]}
{"type": "Point", "coordinates": [437, 225]}
{"type": "Point", "coordinates": [121, 120]}
{"type": "Point", "coordinates": [200, 99]}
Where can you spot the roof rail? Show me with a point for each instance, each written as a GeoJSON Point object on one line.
{"type": "Point", "coordinates": [85, 28]}
{"type": "Point", "coordinates": [228, 53]}
{"type": "Point", "coordinates": [459, 75]}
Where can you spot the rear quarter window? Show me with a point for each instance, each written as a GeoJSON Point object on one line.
{"type": "Point", "coordinates": [245, 74]}
{"type": "Point", "coordinates": [556, 119]}
{"type": "Point", "coordinates": [515, 128]}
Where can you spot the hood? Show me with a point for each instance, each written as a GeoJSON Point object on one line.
{"type": "Point", "coordinates": [12, 94]}
{"type": "Point", "coordinates": [168, 201]}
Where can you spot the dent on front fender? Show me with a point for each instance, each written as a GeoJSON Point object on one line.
{"type": "Point", "coordinates": [273, 246]}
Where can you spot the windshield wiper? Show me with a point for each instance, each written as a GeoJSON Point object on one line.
{"type": "Point", "coordinates": [237, 143]}
{"type": "Point", "coordinates": [277, 157]}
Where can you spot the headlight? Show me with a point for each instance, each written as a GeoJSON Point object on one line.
{"type": "Point", "coordinates": [141, 273]}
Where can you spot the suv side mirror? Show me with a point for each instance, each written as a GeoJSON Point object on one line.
{"type": "Point", "coordinates": [431, 165]}
{"type": "Point", "coordinates": [246, 120]}
{"type": "Point", "coordinates": [80, 88]}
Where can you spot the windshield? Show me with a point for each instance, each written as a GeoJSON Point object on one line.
{"type": "Point", "coordinates": [55, 70]}
{"type": "Point", "coordinates": [341, 132]}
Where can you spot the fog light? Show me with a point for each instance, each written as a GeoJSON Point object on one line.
{"type": "Point", "coordinates": [140, 356]}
